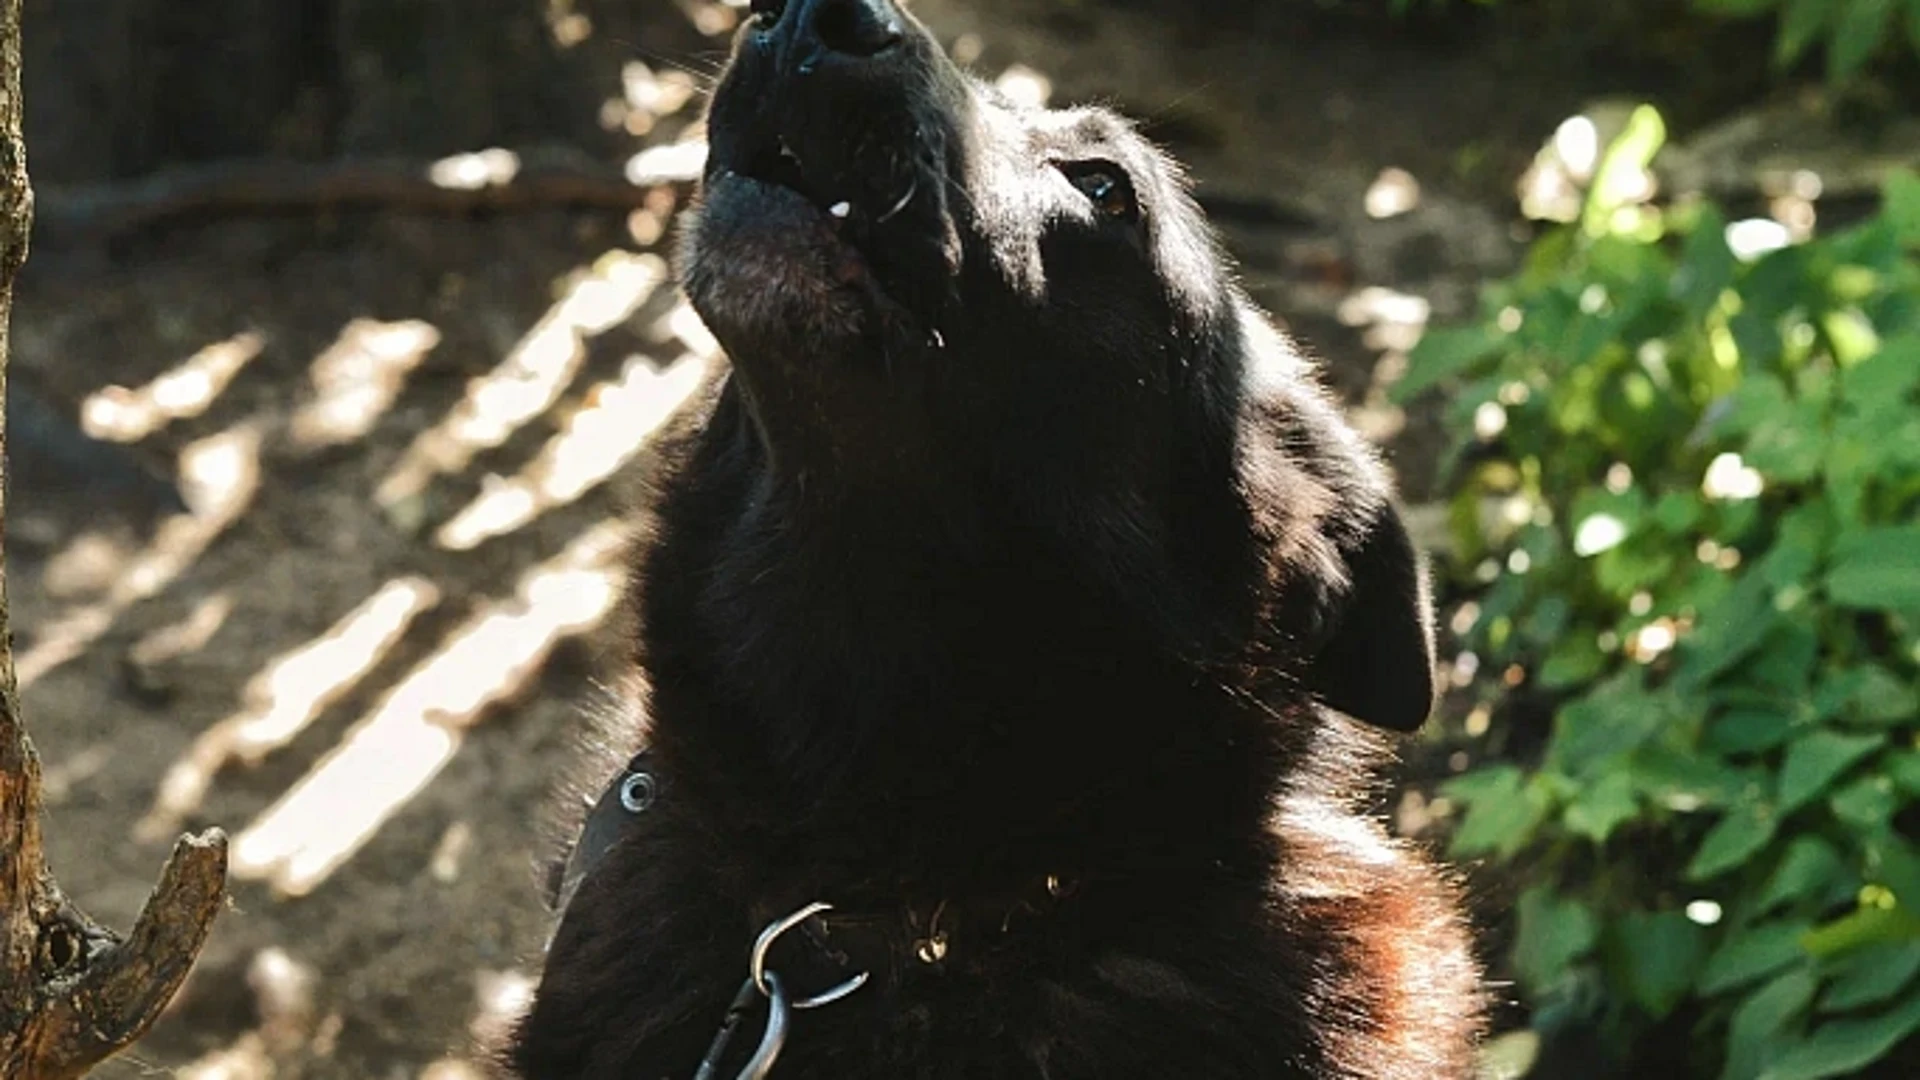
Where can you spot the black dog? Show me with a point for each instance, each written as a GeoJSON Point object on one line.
{"type": "Point", "coordinates": [1002, 594]}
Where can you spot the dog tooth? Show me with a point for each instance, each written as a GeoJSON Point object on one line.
{"type": "Point", "coordinates": [840, 209]}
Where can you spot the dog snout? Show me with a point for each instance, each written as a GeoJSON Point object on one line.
{"type": "Point", "coordinates": [856, 28]}
{"type": "Point", "coordinates": [813, 33]}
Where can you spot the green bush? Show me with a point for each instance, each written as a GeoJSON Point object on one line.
{"type": "Point", "coordinates": [1854, 30]}
{"type": "Point", "coordinates": [1689, 508]}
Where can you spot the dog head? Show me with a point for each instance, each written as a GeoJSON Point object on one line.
{"type": "Point", "coordinates": [932, 294]}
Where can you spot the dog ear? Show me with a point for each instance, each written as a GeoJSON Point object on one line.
{"type": "Point", "coordinates": [1375, 660]}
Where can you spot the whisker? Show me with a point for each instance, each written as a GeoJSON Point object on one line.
{"type": "Point", "coordinates": [913, 187]}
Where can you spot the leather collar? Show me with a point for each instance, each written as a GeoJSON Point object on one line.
{"type": "Point", "coordinates": [890, 945]}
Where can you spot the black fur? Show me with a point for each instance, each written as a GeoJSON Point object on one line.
{"type": "Point", "coordinates": [1014, 542]}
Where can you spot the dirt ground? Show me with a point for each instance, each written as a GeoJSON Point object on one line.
{"type": "Point", "coordinates": [139, 638]}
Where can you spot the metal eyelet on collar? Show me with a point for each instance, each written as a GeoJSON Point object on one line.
{"type": "Point", "coordinates": [638, 791]}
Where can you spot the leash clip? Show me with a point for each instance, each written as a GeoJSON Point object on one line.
{"type": "Point", "coordinates": [780, 1007]}
{"type": "Point", "coordinates": [772, 933]}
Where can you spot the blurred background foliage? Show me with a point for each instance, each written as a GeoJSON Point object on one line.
{"type": "Point", "coordinates": [1687, 465]}
{"type": "Point", "coordinates": [1852, 33]}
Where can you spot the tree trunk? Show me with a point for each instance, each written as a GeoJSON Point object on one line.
{"type": "Point", "coordinates": [72, 993]}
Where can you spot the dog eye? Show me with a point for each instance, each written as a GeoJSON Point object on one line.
{"type": "Point", "coordinates": [1106, 186]}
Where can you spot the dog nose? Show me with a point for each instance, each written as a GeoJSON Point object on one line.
{"type": "Point", "coordinates": [855, 28]}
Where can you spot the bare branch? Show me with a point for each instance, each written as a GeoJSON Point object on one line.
{"type": "Point", "coordinates": [72, 993]}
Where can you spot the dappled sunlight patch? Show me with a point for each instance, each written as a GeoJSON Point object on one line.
{"type": "Point", "coordinates": [1791, 199]}
{"type": "Point", "coordinates": [1025, 87]}
{"type": "Point", "coordinates": [284, 1003]}
{"type": "Point", "coordinates": [1730, 479]}
{"type": "Point", "coordinates": [648, 224]}
{"type": "Point", "coordinates": [1553, 189]}
{"type": "Point", "coordinates": [1391, 323]}
{"type": "Point", "coordinates": [646, 97]}
{"type": "Point", "coordinates": [567, 24]}
{"type": "Point", "coordinates": [501, 997]}
{"type": "Point", "coordinates": [713, 17]}
{"type": "Point", "coordinates": [453, 1069]}
{"type": "Point", "coordinates": [358, 378]}
{"type": "Point", "coordinates": [684, 323]}
{"type": "Point", "coordinates": [185, 637]}
{"type": "Point", "coordinates": [246, 1059]}
{"type": "Point", "coordinates": [396, 751]}
{"type": "Point", "coordinates": [532, 377]}
{"type": "Point", "coordinates": [450, 853]}
{"type": "Point", "coordinates": [287, 696]}
{"type": "Point", "coordinates": [87, 566]}
{"type": "Point", "coordinates": [1754, 237]}
{"type": "Point", "coordinates": [283, 994]}
{"type": "Point", "coordinates": [596, 441]}
{"type": "Point", "coordinates": [119, 414]}
{"type": "Point", "coordinates": [669, 163]}
{"type": "Point", "coordinates": [63, 777]}
{"type": "Point", "coordinates": [220, 476]}
{"type": "Point", "coordinates": [476, 170]}
{"type": "Point", "coordinates": [1393, 193]}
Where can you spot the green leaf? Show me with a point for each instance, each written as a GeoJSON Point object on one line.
{"type": "Point", "coordinates": [1815, 760]}
{"type": "Point", "coordinates": [1788, 446]}
{"type": "Point", "coordinates": [1737, 837]}
{"type": "Point", "coordinates": [1552, 933]}
{"type": "Point", "coordinates": [1749, 730]}
{"type": "Point", "coordinates": [1677, 511]}
{"type": "Point", "coordinates": [1442, 354]}
{"type": "Point", "coordinates": [1892, 862]}
{"type": "Point", "coordinates": [1574, 661]}
{"type": "Point", "coordinates": [1598, 730]}
{"type": "Point", "coordinates": [1809, 868]}
{"type": "Point", "coordinates": [1752, 954]}
{"type": "Point", "coordinates": [1620, 168]}
{"type": "Point", "coordinates": [1655, 955]}
{"type": "Point", "coordinates": [1866, 804]}
{"type": "Point", "coordinates": [1728, 632]}
{"type": "Point", "coordinates": [1904, 768]}
{"type": "Point", "coordinates": [1602, 807]}
{"type": "Point", "coordinates": [1872, 977]}
{"type": "Point", "coordinates": [1786, 663]}
{"type": "Point", "coordinates": [1850, 336]}
{"type": "Point", "coordinates": [1864, 928]}
{"type": "Point", "coordinates": [1686, 780]}
{"type": "Point", "coordinates": [1706, 265]}
{"type": "Point", "coordinates": [1844, 1047]}
{"type": "Point", "coordinates": [1761, 1018]}
{"type": "Point", "coordinates": [1502, 811]}
{"type": "Point", "coordinates": [1903, 186]}
{"type": "Point", "coordinates": [1882, 381]}
{"type": "Point", "coordinates": [1860, 32]}
{"type": "Point", "coordinates": [1884, 697]}
{"type": "Point", "coordinates": [1800, 24]}
{"type": "Point", "coordinates": [1736, 8]}
{"type": "Point", "coordinates": [1877, 569]}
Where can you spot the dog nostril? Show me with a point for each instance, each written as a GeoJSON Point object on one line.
{"type": "Point", "coordinates": [857, 27]}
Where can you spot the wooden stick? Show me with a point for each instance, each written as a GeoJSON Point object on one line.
{"type": "Point", "coordinates": [72, 993]}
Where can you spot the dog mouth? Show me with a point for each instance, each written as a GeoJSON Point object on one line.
{"type": "Point", "coordinates": [850, 216]}
{"type": "Point", "coordinates": [853, 206]}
